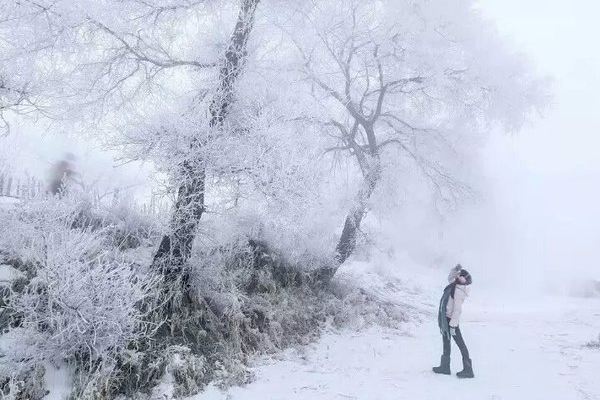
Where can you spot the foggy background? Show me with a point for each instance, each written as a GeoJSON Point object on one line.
{"type": "Point", "coordinates": [546, 178]}
{"type": "Point", "coordinates": [536, 225]}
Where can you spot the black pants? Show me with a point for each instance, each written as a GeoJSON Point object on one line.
{"type": "Point", "coordinates": [460, 342]}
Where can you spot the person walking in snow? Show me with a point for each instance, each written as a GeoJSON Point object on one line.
{"type": "Point", "coordinates": [62, 175]}
{"type": "Point", "coordinates": [448, 320]}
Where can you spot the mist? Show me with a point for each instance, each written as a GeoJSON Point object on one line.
{"type": "Point", "coordinates": [547, 175]}
{"type": "Point", "coordinates": [535, 224]}
{"type": "Point", "coordinates": [257, 199]}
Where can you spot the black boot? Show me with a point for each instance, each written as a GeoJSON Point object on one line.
{"type": "Point", "coordinates": [444, 367]}
{"type": "Point", "coordinates": [467, 371]}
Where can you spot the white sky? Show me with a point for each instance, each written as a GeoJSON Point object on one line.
{"type": "Point", "coordinates": [561, 38]}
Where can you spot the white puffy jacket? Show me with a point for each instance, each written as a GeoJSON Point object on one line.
{"type": "Point", "coordinates": [454, 306]}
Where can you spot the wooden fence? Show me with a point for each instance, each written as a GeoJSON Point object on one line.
{"type": "Point", "coordinates": [21, 187]}
{"type": "Point", "coordinates": [27, 187]}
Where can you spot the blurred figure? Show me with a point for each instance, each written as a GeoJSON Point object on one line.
{"type": "Point", "coordinates": [62, 175]}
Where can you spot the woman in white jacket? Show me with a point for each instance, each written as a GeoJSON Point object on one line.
{"type": "Point", "coordinates": [448, 320]}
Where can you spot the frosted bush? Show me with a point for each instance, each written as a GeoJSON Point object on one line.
{"type": "Point", "coordinates": [84, 302]}
{"type": "Point", "coordinates": [257, 313]}
{"type": "Point", "coordinates": [22, 383]}
{"type": "Point", "coordinates": [129, 228]}
{"type": "Point", "coordinates": [80, 300]}
{"type": "Point", "coordinates": [594, 344]}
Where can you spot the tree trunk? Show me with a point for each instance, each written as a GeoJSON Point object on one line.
{"type": "Point", "coordinates": [347, 242]}
{"type": "Point", "coordinates": [175, 248]}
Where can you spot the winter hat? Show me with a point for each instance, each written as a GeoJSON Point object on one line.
{"type": "Point", "coordinates": [467, 276]}
{"type": "Point", "coordinates": [454, 273]}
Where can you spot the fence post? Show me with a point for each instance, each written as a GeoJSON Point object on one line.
{"type": "Point", "coordinates": [9, 186]}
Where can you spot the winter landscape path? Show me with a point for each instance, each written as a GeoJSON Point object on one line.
{"type": "Point", "coordinates": [529, 350]}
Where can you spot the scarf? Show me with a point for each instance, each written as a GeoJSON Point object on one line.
{"type": "Point", "coordinates": [442, 320]}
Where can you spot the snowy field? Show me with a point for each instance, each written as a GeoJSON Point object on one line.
{"type": "Point", "coordinates": [523, 350]}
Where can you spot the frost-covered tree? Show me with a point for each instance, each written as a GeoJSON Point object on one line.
{"type": "Point", "coordinates": [125, 61]}
{"type": "Point", "coordinates": [99, 56]}
{"type": "Point", "coordinates": [387, 82]}
{"type": "Point", "coordinates": [399, 81]}
{"type": "Point", "coordinates": [18, 90]}
{"type": "Point", "coordinates": [175, 247]}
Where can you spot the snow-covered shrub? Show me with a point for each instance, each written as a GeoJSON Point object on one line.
{"type": "Point", "coordinates": [263, 300]}
{"type": "Point", "coordinates": [88, 298]}
{"type": "Point", "coordinates": [80, 301]}
{"type": "Point", "coordinates": [23, 383]}
{"type": "Point", "coordinates": [584, 288]}
{"type": "Point", "coordinates": [247, 311]}
{"type": "Point", "coordinates": [122, 226]}
{"type": "Point", "coordinates": [183, 373]}
{"type": "Point", "coordinates": [128, 228]}
{"type": "Point", "coordinates": [594, 344]}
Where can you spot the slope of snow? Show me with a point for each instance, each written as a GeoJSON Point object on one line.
{"type": "Point", "coordinates": [524, 350]}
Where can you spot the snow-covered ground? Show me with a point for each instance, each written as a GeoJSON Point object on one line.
{"type": "Point", "coordinates": [523, 349]}
{"type": "Point", "coordinates": [5, 201]}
